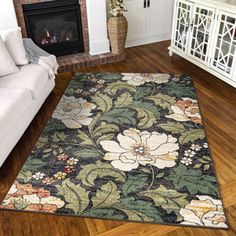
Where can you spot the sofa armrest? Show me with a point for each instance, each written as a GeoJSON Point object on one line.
{"type": "Point", "coordinates": [37, 55]}
{"type": "Point", "coordinates": [31, 46]}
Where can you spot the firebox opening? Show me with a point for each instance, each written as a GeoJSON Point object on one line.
{"type": "Point", "coordinates": [55, 26]}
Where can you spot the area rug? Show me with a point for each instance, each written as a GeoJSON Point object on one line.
{"type": "Point", "coordinates": [125, 147]}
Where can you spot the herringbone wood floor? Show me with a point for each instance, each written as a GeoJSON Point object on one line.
{"type": "Point", "coordinates": [218, 105]}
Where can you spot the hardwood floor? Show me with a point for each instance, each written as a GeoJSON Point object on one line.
{"type": "Point", "coordinates": [218, 106]}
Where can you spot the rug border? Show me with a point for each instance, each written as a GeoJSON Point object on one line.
{"type": "Point", "coordinates": [211, 156]}
{"type": "Point", "coordinates": [126, 221]}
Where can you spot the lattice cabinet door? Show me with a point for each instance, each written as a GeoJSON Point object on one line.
{"type": "Point", "coordinates": [201, 33]}
{"type": "Point", "coordinates": [183, 16]}
{"type": "Point", "coordinates": [224, 55]}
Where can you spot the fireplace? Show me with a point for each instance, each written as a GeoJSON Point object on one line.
{"type": "Point", "coordinates": [55, 26]}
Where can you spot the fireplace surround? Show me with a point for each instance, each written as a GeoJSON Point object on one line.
{"type": "Point", "coordinates": [55, 26]}
{"type": "Point", "coordinates": [94, 28]}
{"type": "Point", "coordinates": [18, 4]}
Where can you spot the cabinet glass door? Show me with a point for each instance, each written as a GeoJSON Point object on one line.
{"type": "Point", "coordinates": [182, 20]}
{"type": "Point", "coordinates": [201, 32]}
{"type": "Point", "coordinates": [224, 54]}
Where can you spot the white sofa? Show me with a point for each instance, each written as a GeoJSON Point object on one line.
{"type": "Point", "coordinates": [21, 96]}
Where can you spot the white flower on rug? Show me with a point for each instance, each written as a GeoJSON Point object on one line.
{"type": "Point", "coordinates": [101, 81]}
{"type": "Point", "coordinates": [189, 153]}
{"type": "Point", "coordinates": [74, 112]}
{"type": "Point", "coordinates": [136, 148]}
{"type": "Point", "coordinates": [186, 110]}
{"type": "Point", "coordinates": [186, 161]}
{"type": "Point", "coordinates": [38, 175]}
{"type": "Point", "coordinates": [204, 212]}
{"type": "Point", "coordinates": [138, 79]}
{"type": "Point", "coordinates": [195, 147]}
{"type": "Point", "coordinates": [79, 90]}
{"type": "Point", "coordinates": [205, 145]}
{"type": "Point", "coordinates": [92, 90]}
{"type": "Point", "coordinates": [72, 161]}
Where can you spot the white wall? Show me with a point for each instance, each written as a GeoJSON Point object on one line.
{"type": "Point", "coordinates": [7, 15]}
{"type": "Point", "coordinates": [97, 26]}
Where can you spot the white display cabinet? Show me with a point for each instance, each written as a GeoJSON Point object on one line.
{"type": "Point", "coordinates": [204, 32]}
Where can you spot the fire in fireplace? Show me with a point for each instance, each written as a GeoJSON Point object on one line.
{"type": "Point", "coordinates": [55, 26]}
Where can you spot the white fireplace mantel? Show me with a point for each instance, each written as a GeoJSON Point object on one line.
{"type": "Point", "coordinates": [97, 26]}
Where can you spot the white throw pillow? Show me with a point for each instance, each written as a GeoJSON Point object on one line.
{"type": "Point", "coordinates": [14, 43]}
{"type": "Point", "coordinates": [7, 65]}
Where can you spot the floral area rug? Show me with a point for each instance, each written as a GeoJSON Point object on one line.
{"type": "Point", "coordinates": [126, 147]}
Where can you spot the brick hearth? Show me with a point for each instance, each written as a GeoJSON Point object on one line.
{"type": "Point", "coordinates": [74, 61]}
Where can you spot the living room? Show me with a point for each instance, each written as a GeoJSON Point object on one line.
{"type": "Point", "coordinates": [118, 117]}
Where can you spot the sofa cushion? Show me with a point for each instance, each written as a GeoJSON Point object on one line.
{"type": "Point", "coordinates": [13, 103]}
{"type": "Point", "coordinates": [14, 43]}
{"type": "Point", "coordinates": [7, 65]}
{"type": "Point", "coordinates": [31, 76]}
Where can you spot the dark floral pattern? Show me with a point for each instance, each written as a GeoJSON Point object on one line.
{"type": "Point", "coordinates": [123, 146]}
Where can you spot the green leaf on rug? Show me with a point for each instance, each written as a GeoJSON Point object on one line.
{"type": "Point", "coordinates": [147, 106]}
{"type": "Point", "coordinates": [204, 162]}
{"type": "Point", "coordinates": [178, 89]}
{"type": "Point", "coordinates": [25, 176]}
{"type": "Point", "coordinates": [119, 85]}
{"type": "Point", "coordinates": [89, 173]}
{"type": "Point", "coordinates": [58, 137]}
{"type": "Point", "coordinates": [132, 207]}
{"type": "Point", "coordinates": [105, 137]}
{"type": "Point", "coordinates": [105, 132]}
{"type": "Point", "coordinates": [162, 100]}
{"type": "Point", "coordinates": [193, 179]}
{"type": "Point", "coordinates": [70, 91]}
{"type": "Point", "coordinates": [76, 197]}
{"type": "Point", "coordinates": [20, 204]}
{"type": "Point", "coordinates": [168, 199]}
{"type": "Point", "coordinates": [135, 215]}
{"type": "Point", "coordinates": [94, 122]}
{"type": "Point", "coordinates": [142, 92]}
{"type": "Point", "coordinates": [103, 101]}
{"type": "Point", "coordinates": [134, 183]}
{"type": "Point", "coordinates": [33, 164]}
{"type": "Point", "coordinates": [106, 196]}
{"type": "Point", "coordinates": [125, 99]}
{"type": "Point", "coordinates": [86, 139]}
{"type": "Point", "coordinates": [192, 135]}
{"type": "Point", "coordinates": [42, 141]}
{"type": "Point", "coordinates": [173, 127]}
{"type": "Point", "coordinates": [147, 113]}
{"type": "Point", "coordinates": [103, 213]}
{"type": "Point", "coordinates": [110, 77]}
{"type": "Point", "coordinates": [86, 152]}
{"type": "Point", "coordinates": [105, 129]}
{"type": "Point", "coordinates": [147, 119]}
{"type": "Point", "coordinates": [120, 116]}
{"type": "Point", "coordinates": [54, 125]}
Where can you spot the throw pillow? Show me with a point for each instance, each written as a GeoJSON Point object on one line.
{"type": "Point", "coordinates": [14, 43]}
{"type": "Point", "coordinates": [7, 65]}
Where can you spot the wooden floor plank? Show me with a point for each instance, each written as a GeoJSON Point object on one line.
{"type": "Point", "coordinates": [134, 229]}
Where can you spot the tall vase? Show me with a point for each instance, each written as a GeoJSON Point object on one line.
{"type": "Point", "coordinates": [117, 31]}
